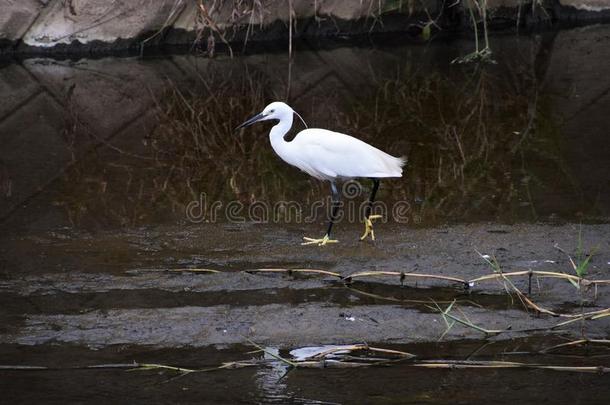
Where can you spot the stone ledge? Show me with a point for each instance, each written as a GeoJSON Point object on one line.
{"type": "Point", "coordinates": [93, 26]}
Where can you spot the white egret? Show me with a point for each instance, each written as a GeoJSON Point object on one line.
{"type": "Point", "coordinates": [328, 155]}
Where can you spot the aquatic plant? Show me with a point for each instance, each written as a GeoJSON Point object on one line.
{"type": "Point", "coordinates": [484, 54]}
{"type": "Point", "coordinates": [465, 153]}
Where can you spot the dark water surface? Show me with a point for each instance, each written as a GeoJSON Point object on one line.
{"type": "Point", "coordinates": [112, 171]}
{"type": "Point", "coordinates": [399, 384]}
{"type": "Point", "coordinates": [126, 142]}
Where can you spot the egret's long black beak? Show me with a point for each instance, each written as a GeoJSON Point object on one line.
{"type": "Point", "coordinates": [251, 121]}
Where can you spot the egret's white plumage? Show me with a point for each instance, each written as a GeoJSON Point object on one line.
{"type": "Point", "coordinates": [328, 155]}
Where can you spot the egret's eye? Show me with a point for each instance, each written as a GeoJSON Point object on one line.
{"type": "Point", "coordinates": [271, 112]}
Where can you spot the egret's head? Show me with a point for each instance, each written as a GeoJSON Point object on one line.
{"type": "Point", "coordinates": [274, 111]}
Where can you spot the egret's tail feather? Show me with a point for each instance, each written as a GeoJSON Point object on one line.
{"type": "Point", "coordinates": [394, 165]}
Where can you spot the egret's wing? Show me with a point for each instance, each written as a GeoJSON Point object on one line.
{"type": "Point", "coordinates": [327, 154]}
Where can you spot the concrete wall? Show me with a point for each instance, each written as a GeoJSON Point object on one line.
{"type": "Point", "coordinates": [47, 23]}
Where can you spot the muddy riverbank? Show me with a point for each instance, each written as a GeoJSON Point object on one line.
{"type": "Point", "coordinates": [102, 290]}
{"type": "Point", "coordinates": [88, 299]}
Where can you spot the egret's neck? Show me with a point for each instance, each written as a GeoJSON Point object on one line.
{"type": "Point", "coordinates": [277, 135]}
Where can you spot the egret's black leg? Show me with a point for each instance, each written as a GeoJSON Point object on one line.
{"type": "Point", "coordinates": [369, 207]}
{"type": "Point", "coordinates": [336, 202]}
{"type": "Point", "coordinates": [368, 223]}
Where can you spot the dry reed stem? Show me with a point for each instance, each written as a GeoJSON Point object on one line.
{"type": "Point", "coordinates": [196, 270]}
{"type": "Point", "coordinates": [403, 275]}
{"type": "Point", "coordinates": [525, 300]}
{"type": "Point", "coordinates": [153, 366]}
{"type": "Point", "coordinates": [325, 363]}
{"type": "Point", "coordinates": [504, 276]}
{"type": "Point", "coordinates": [576, 317]}
{"type": "Point", "coordinates": [576, 343]}
{"type": "Point", "coordinates": [232, 365]}
{"type": "Point", "coordinates": [587, 315]}
{"type": "Point", "coordinates": [321, 360]}
{"type": "Point", "coordinates": [460, 364]}
{"type": "Point", "coordinates": [542, 274]}
{"type": "Point", "coordinates": [390, 351]}
{"type": "Point", "coordinates": [331, 363]}
{"type": "Point", "coordinates": [212, 24]}
{"type": "Point", "coordinates": [605, 313]}
{"type": "Point", "coordinates": [357, 347]}
{"type": "Point", "coordinates": [312, 271]}
{"type": "Point", "coordinates": [10, 367]}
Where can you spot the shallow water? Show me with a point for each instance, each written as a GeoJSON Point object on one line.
{"type": "Point", "coordinates": [275, 384]}
{"type": "Point", "coordinates": [110, 170]}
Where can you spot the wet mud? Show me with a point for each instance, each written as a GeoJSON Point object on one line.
{"type": "Point", "coordinates": [115, 302]}
{"type": "Point", "coordinates": [96, 304]}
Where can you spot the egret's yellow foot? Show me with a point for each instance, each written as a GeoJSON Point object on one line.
{"type": "Point", "coordinates": [319, 242]}
{"type": "Point", "coordinates": [368, 227]}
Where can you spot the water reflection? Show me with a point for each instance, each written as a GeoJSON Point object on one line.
{"type": "Point", "coordinates": [468, 136]}
{"type": "Point", "coordinates": [272, 383]}
{"type": "Point", "coordinates": [270, 380]}
{"type": "Point", "coordinates": [482, 144]}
